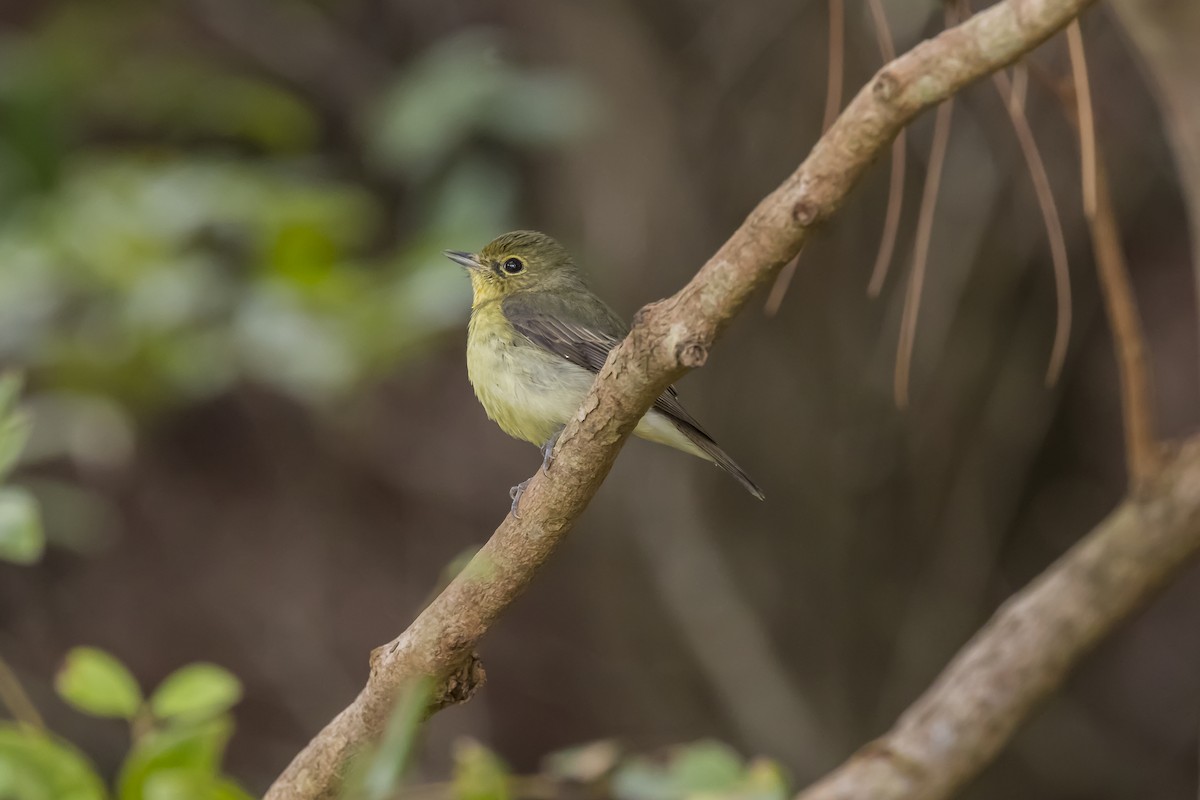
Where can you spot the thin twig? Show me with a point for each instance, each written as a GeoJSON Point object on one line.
{"type": "Point", "coordinates": [15, 699]}
{"type": "Point", "coordinates": [916, 280]}
{"type": "Point", "coordinates": [891, 219]}
{"type": "Point", "coordinates": [835, 72]}
{"type": "Point", "coordinates": [779, 288]}
{"type": "Point", "coordinates": [837, 62]}
{"type": "Point", "coordinates": [1143, 452]}
{"type": "Point", "coordinates": [1087, 123]}
{"type": "Point", "coordinates": [1051, 221]}
{"type": "Point", "coordinates": [1020, 87]}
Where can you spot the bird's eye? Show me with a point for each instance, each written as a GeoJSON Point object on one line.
{"type": "Point", "coordinates": [513, 265]}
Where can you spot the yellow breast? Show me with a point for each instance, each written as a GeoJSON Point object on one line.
{"type": "Point", "coordinates": [528, 392]}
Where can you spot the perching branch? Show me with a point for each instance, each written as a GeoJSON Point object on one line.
{"type": "Point", "coordinates": [668, 338]}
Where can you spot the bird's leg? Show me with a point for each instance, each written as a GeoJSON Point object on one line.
{"type": "Point", "coordinates": [548, 450]}
{"type": "Point", "coordinates": [515, 493]}
{"type": "Point", "coordinates": [547, 459]}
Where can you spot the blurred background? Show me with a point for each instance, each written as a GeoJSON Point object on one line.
{"type": "Point", "coordinates": [253, 442]}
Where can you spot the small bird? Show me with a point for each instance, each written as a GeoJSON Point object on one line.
{"type": "Point", "coordinates": [536, 339]}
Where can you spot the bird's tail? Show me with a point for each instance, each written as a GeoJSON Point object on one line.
{"type": "Point", "coordinates": [715, 454]}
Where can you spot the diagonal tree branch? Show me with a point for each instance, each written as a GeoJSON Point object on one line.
{"type": "Point", "coordinates": [668, 338]}
{"type": "Point", "coordinates": [1023, 654]}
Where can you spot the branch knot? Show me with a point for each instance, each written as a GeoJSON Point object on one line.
{"type": "Point", "coordinates": [691, 354]}
{"type": "Point", "coordinates": [886, 86]}
{"type": "Point", "coordinates": [459, 684]}
{"type": "Point", "coordinates": [805, 212]}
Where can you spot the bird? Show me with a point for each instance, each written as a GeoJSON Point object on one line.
{"type": "Point", "coordinates": [536, 339]}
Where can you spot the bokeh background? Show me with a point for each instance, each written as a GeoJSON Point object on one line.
{"type": "Point", "coordinates": [254, 442]}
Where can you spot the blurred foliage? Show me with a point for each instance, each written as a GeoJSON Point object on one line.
{"type": "Point", "coordinates": [480, 774]}
{"type": "Point", "coordinates": [704, 770]}
{"type": "Point", "coordinates": [178, 227]}
{"type": "Point", "coordinates": [96, 683]}
{"type": "Point", "coordinates": [21, 535]}
{"type": "Point", "coordinates": [460, 89]}
{"type": "Point", "coordinates": [379, 773]}
{"type": "Point", "coordinates": [178, 736]}
{"type": "Point", "coordinates": [187, 224]}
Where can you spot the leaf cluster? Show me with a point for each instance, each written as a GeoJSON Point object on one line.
{"type": "Point", "coordinates": [178, 734]}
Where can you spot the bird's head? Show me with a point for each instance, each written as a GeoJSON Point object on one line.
{"type": "Point", "coordinates": [521, 261]}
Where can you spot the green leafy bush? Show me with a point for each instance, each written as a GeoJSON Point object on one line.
{"type": "Point", "coordinates": [178, 736]}
{"type": "Point", "coordinates": [21, 537]}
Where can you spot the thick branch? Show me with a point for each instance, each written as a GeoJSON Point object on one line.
{"type": "Point", "coordinates": [1025, 651]}
{"type": "Point", "coordinates": [668, 338]}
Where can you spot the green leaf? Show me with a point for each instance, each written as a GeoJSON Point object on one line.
{"type": "Point", "coordinates": [97, 683]}
{"type": "Point", "coordinates": [10, 388]}
{"type": "Point", "coordinates": [641, 779]}
{"type": "Point", "coordinates": [705, 766]}
{"type": "Point", "coordinates": [585, 763]}
{"type": "Point", "coordinates": [37, 766]}
{"type": "Point", "coordinates": [195, 748]}
{"type": "Point", "coordinates": [22, 539]}
{"type": "Point", "coordinates": [14, 432]}
{"type": "Point", "coordinates": [186, 784]}
{"type": "Point", "coordinates": [479, 774]}
{"type": "Point", "coordinates": [764, 780]}
{"type": "Point", "coordinates": [379, 774]}
{"type": "Point", "coordinates": [195, 692]}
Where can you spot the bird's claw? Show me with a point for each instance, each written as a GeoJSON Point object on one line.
{"type": "Point", "coordinates": [547, 460]}
{"type": "Point", "coordinates": [548, 451]}
{"type": "Point", "coordinates": [515, 493]}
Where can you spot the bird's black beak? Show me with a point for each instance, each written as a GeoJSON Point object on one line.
{"type": "Point", "coordinates": [462, 259]}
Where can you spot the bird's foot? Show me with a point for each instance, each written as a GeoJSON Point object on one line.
{"type": "Point", "coordinates": [548, 450]}
{"type": "Point", "coordinates": [515, 493]}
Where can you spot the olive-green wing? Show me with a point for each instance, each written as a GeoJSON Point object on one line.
{"type": "Point", "coordinates": [582, 330]}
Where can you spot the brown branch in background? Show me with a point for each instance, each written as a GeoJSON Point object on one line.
{"type": "Point", "coordinates": [1143, 452]}
{"type": "Point", "coordinates": [891, 219]}
{"type": "Point", "coordinates": [667, 339]}
{"type": "Point", "coordinates": [916, 280]}
{"type": "Point", "coordinates": [779, 289]}
{"type": "Point", "coordinates": [14, 698]}
{"type": "Point", "coordinates": [837, 62]}
{"type": "Point", "coordinates": [835, 71]}
{"type": "Point", "coordinates": [1053, 225]}
{"type": "Point", "coordinates": [1087, 123]}
{"type": "Point", "coordinates": [1024, 652]}
{"type": "Point", "coordinates": [1020, 87]}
